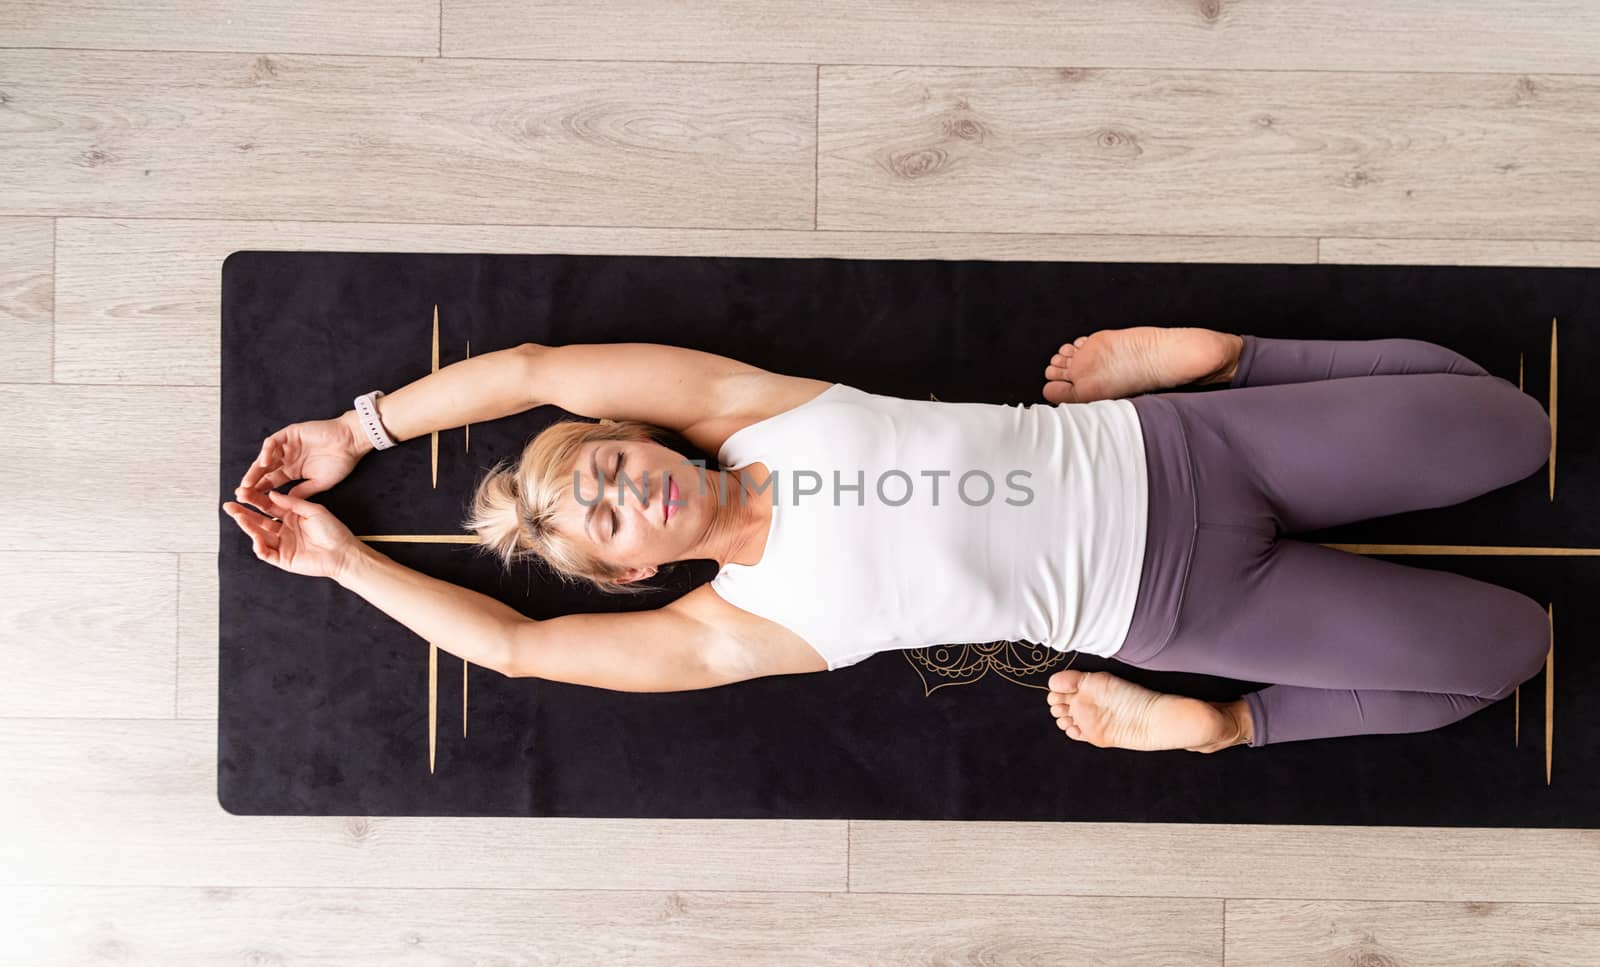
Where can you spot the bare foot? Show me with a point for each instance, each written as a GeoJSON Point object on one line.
{"type": "Point", "coordinates": [1118, 363]}
{"type": "Point", "coordinates": [1110, 712]}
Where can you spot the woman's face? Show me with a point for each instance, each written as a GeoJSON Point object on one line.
{"type": "Point", "coordinates": [617, 506]}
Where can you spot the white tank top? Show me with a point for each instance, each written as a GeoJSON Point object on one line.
{"type": "Point", "coordinates": [911, 558]}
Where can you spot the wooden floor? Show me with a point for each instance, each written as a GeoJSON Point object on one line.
{"type": "Point", "coordinates": [140, 143]}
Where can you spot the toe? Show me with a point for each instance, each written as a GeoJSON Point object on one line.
{"type": "Point", "coordinates": [1066, 681]}
{"type": "Point", "coordinates": [1054, 372]}
{"type": "Point", "coordinates": [1057, 391]}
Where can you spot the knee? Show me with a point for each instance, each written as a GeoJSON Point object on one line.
{"type": "Point", "coordinates": [1540, 434]}
{"type": "Point", "coordinates": [1526, 646]}
{"type": "Point", "coordinates": [1532, 435]}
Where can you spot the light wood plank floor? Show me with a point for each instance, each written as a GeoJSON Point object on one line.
{"type": "Point", "coordinates": [140, 143]}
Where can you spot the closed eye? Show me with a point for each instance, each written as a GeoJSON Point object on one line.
{"type": "Point", "coordinates": [616, 476]}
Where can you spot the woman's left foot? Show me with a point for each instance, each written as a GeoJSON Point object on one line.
{"type": "Point", "coordinates": [1110, 712]}
{"type": "Point", "coordinates": [1118, 363]}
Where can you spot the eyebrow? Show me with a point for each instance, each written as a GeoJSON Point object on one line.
{"type": "Point", "coordinates": [588, 519]}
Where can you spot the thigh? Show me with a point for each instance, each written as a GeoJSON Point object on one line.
{"type": "Point", "coordinates": [1261, 608]}
{"type": "Point", "coordinates": [1305, 456]}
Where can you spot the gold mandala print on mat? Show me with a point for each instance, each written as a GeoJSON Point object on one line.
{"type": "Point", "coordinates": [944, 665]}
{"type": "Point", "coordinates": [1015, 661]}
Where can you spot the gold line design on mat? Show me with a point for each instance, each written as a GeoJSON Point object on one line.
{"type": "Point", "coordinates": [434, 436]}
{"type": "Point", "coordinates": [433, 649]}
{"type": "Point", "coordinates": [433, 701]}
{"type": "Point", "coordinates": [966, 664]}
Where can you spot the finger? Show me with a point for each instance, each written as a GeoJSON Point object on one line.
{"type": "Point", "coordinates": [256, 499]}
{"type": "Point", "coordinates": [273, 479]}
{"type": "Point", "coordinates": [299, 504]}
{"type": "Point", "coordinates": [241, 517]}
{"type": "Point", "coordinates": [263, 544]}
{"type": "Point", "coordinates": [259, 465]}
{"type": "Point", "coordinates": [255, 546]}
{"type": "Point", "coordinates": [304, 490]}
{"type": "Point", "coordinates": [251, 523]}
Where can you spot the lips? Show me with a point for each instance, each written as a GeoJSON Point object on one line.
{"type": "Point", "coordinates": [666, 505]}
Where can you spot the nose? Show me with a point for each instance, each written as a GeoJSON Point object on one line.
{"type": "Point", "coordinates": [625, 494]}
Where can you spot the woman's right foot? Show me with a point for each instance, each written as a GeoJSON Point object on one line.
{"type": "Point", "coordinates": [1118, 363]}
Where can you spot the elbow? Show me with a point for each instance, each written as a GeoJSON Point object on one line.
{"type": "Point", "coordinates": [517, 654]}
{"type": "Point", "coordinates": [510, 659]}
{"type": "Point", "coordinates": [526, 357]}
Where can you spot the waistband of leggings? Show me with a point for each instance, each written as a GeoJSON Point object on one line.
{"type": "Point", "coordinates": [1170, 528]}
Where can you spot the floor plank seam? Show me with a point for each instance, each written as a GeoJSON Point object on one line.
{"type": "Point", "coordinates": [177, 640]}
{"type": "Point", "coordinates": [55, 294]}
{"type": "Point", "coordinates": [1582, 75]}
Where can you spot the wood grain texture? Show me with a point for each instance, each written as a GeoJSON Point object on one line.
{"type": "Point", "coordinates": [1227, 860]}
{"type": "Point", "coordinates": [393, 27]}
{"type": "Point", "coordinates": [1455, 251]}
{"type": "Point", "coordinates": [141, 299]}
{"type": "Point", "coordinates": [144, 134]}
{"type": "Point", "coordinates": [27, 298]}
{"type": "Point", "coordinates": [128, 468]}
{"type": "Point", "coordinates": [89, 634]}
{"type": "Point", "coordinates": [134, 802]}
{"type": "Point", "coordinates": [222, 925]}
{"type": "Point", "coordinates": [1270, 933]}
{"type": "Point", "coordinates": [197, 667]}
{"type": "Point", "coordinates": [1207, 152]}
{"type": "Point", "coordinates": [1355, 35]}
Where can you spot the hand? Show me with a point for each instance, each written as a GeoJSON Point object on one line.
{"type": "Point", "coordinates": [307, 540]}
{"type": "Point", "coordinates": [321, 453]}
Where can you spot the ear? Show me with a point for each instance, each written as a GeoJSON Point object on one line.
{"type": "Point", "coordinates": [637, 574]}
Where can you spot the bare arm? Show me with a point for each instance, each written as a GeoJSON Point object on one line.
{"type": "Point", "coordinates": [642, 651]}
{"type": "Point", "coordinates": [694, 642]}
{"type": "Point", "coordinates": [475, 390]}
{"type": "Point", "coordinates": [463, 622]}
{"type": "Point", "coordinates": [671, 387]}
{"type": "Point", "coordinates": [697, 641]}
{"type": "Point", "coordinates": [664, 385]}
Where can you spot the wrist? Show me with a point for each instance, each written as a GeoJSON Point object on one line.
{"type": "Point", "coordinates": [359, 444]}
{"type": "Point", "coordinates": [359, 558]}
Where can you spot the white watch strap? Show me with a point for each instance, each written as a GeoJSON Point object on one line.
{"type": "Point", "coordinates": [368, 413]}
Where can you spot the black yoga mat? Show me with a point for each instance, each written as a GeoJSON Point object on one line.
{"type": "Point", "coordinates": [324, 704]}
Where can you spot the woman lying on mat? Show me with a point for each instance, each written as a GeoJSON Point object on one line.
{"type": "Point", "coordinates": [1117, 522]}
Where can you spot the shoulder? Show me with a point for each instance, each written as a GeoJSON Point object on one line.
{"type": "Point", "coordinates": [746, 645]}
{"type": "Point", "coordinates": [749, 398]}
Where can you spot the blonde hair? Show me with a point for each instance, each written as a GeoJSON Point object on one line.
{"type": "Point", "coordinates": [515, 506]}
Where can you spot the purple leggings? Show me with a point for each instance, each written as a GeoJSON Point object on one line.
{"type": "Point", "coordinates": [1312, 434]}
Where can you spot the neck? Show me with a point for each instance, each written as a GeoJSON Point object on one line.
{"type": "Point", "coordinates": [738, 527]}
